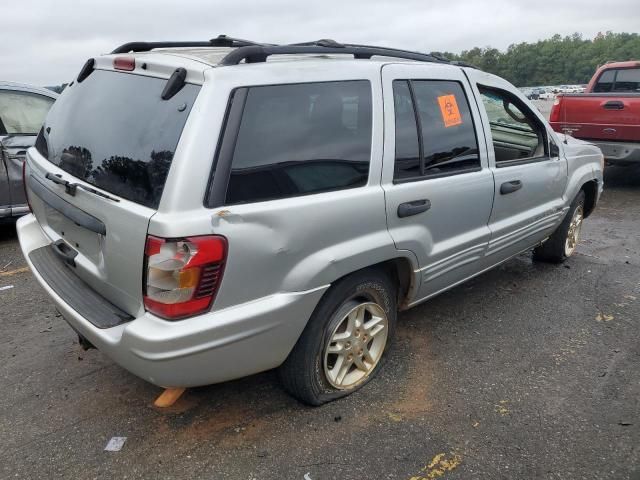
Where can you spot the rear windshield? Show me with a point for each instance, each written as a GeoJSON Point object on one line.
{"type": "Point", "coordinates": [114, 131]}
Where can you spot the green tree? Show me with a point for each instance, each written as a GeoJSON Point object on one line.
{"type": "Point", "coordinates": [554, 61]}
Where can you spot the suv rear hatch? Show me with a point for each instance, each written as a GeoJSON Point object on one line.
{"type": "Point", "coordinates": [98, 174]}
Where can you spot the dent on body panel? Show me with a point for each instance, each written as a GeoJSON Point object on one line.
{"type": "Point", "coordinates": [325, 265]}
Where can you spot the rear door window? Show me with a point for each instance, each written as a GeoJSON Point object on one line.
{"type": "Point", "coordinates": [22, 113]}
{"type": "Point", "coordinates": [435, 133]}
{"type": "Point", "coordinates": [115, 131]}
{"type": "Point", "coordinates": [408, 163]}
{"type": "Point", "coordinates": [301, 139]}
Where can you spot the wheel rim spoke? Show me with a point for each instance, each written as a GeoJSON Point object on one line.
{"type": "Point", "coordinates": [366, 354]}
{"type": "Point", "coordinates": [374, 326]}
{"type": "Point", "coordinates": [342, 369]}
{"type": "Point", "coordinates": [356, 318]}
{"type": "Point", "coordinates": [357, 361]}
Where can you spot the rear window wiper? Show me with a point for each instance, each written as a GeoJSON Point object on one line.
{"type": "Point", "coordinates": [71, 188]}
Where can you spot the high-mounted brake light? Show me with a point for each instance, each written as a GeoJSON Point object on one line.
{"type": "Point", "coordinates": [182, 276]}
{"type": "Point", "coordinates": [124, 63]}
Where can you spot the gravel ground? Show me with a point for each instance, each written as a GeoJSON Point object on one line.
{"type": "Point", "coordinates": [528, 371]}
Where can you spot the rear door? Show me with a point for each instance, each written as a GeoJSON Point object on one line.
{"type": "Point", "coordinates": [530, 174]}
{"type": "Point", "coordinates": [437, 184]}
{"type": "Point", "coordinates": [98, 172]}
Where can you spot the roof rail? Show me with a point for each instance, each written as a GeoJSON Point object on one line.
{"type": "Point", "coordinates": [254, 52]}
{"type": "Point", "coordinates": [259, 53]}
{"type": "Point", "coordinates": [219, 41]}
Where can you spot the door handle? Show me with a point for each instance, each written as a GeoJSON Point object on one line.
{"type": "Point", "coordinates": [510, 187]}
{"type": "Point", "coordinates": [413, 208]}
{"type": "Point", "coordinates": [613, 105]}
{"type": "Point", "coordinates": [65, 252]}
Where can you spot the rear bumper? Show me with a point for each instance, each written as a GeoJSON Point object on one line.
{"type": "Point", "coordinates": [620, 152]}
{"type": "Point", "coordinates": [210, 348]}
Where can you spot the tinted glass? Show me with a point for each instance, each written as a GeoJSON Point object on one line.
{"type": "Point", "coordinates": [627, 80]}
{"type": "Point", "coordinates": [22, 113]}
{"type": "Point", "coordinates": [516, 132]}
{"type": "Point", "coordinates": [448, 134]}
{"type": "Point", "coordinates": [301, 139]}
{"type": "Point", "coordinates": [407, 162]}
{"type": "Point", "coordinates": [114, 131]}
{"type": "Point", "coordinates": [605, 82]}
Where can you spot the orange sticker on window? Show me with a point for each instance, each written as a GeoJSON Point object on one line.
{"type": "Point", "coordinates": [449, 109]}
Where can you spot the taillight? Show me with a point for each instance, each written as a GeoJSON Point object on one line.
{"type": "Point", "coordinates": [24, 183]}
{"type": "Point", "coordinates": [555, 109]}
{"type": "Point", "coordinates": [124, 63]}
{"type": "Point", "coordinates": [182, 276]}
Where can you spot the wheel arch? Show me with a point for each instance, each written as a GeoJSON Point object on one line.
{"type": "Point", "coordinates": [401, 272]}
{"type": "Point", "coordinates": [590, 190]}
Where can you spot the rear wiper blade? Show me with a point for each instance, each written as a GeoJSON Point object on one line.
{"type": "Point", "coordinates": [71, 188]}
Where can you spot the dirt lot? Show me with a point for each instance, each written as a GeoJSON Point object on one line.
{"type": "Point", "coordinates": [528, 371]}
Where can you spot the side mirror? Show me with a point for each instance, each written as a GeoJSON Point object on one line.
{"type": "Point", "coordinates": [554, 150]}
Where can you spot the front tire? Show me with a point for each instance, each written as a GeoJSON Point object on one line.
{"type": "Point", "coordinates": [563, 242]}
{"type": "Point", "coordinates": [345, 340]}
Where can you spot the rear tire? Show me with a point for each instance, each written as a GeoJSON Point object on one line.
{"type": "Point", "coordinates": [343, 345]}
{"type": "Point", "coordinates": [563, 242]}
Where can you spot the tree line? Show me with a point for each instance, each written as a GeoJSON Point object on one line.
{"type": "Point", "coordinates": [554, 61]}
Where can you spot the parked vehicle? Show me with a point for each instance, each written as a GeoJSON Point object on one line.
{"type": "Point", "coordinates": [533, 94]}
{"type": "Point", "coordinates": [546, 94]}
{"type": "Point", "coordinates": [22, 112]}
{"type": "Point", "coordinates": [607, 114]}
{"type": "Point", "coordinates": [211, 214]}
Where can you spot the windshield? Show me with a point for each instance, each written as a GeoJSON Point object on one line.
{"type": "Point", "coordinates": [114, 131]}
{"type": "Point", "coordinates": [22, 113]}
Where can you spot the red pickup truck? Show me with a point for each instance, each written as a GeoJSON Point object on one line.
{"type": "Point", "coordinates": [607, 114]}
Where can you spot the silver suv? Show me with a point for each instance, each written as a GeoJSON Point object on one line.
{"type": "Point", "coordinates": [209, 210]}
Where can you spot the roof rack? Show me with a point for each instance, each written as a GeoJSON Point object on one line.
{"type": "Point", "coordinates": [254, 52]}
{"type": "Point", "coordinates": [259, 53]}
{"type": "Point", "coordinates": [219, 41]}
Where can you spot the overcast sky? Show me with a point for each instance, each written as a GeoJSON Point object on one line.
{"type": "Point", "coordinates": [45, 42]}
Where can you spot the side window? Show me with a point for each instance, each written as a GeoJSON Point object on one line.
{"type": "Point", "coordinates": [517, 133]}
{"type": "Point", "coordinates": [300, 139]}
{"type": "Point", "coordinates": [22, 112]}
{"type": "Point", "coordinates": [435, 134]}
{"type": "Point", "coordinates": [407, 163]}
{"type": "Point", "coordinates": [605, 82]}
{"type": "Point", "coordinates": [627, 80]}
